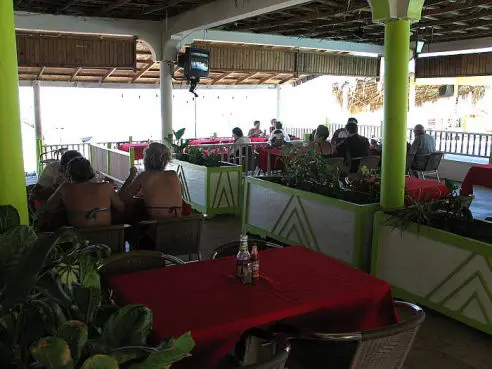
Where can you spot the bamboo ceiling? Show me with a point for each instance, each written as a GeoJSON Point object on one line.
{"type": "Point", "coordinates": [350, 20]}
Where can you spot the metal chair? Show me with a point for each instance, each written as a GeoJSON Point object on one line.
{"type": "Point", "coordinates": [55, 155]}
{"type": "Point", "coordinates": [277, 362]}
{"type": "Point", "coordinates": [112, 236]}
{"type": "Point", "coordinates": [432, 166]}
{"type": "Point", "coordinates": [385, 348]}
{"type": "Point", "coordinates": [136, 261]}
{"type": "Point", "coordinates": [231, 248]}
{"type": "Point", "coordinates": [176, 236]}
{"type": "Point", "coordinates": [370, 162]}
{"type": "Point", "coordinates": [409, 163]}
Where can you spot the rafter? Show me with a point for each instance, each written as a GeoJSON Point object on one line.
{"type": "Point", "coordinates": [266, 79]}
{"type": "Point", "coordinates": [107, 75]}
{"type": "Point", "coordinates": [41, 73]}
{"type": "Point", "coordinates": [66, 6]}
{"type": "Point", "coordinates": [159, 8]}
{"type": "Point", "coordinates": [76, 73]}
{"type": "Point", "coordinates": [248, 76]}
{"type": "Point", "coordinates": [113, 6]}
{"type": "Point", "coordinates": [143, 71]}
{"type": "Point", "coordinates": [222, 77]}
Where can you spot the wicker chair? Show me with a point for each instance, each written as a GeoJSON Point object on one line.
{"type": "Point", "coordinates": [385, 348]}
{"type": "Point", "coordinates": [176, 236]}
{"type": "Point", "coordinates": [231, 248]}
{"type": "Point", "coordinates": [432, 166]}
{"type": "Point", "coordinates": [112, 236]}
{"type": "Point", "coordinates": [137, 261]}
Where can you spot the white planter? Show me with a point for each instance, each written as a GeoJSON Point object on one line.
{"type": "Point", "coordinates": [210, 190]}
{"type": "Point", "coordinates": [443, 271]}
{"type": "Point", "coordinates": [334, 227]}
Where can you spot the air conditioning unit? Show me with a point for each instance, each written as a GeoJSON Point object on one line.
{"type": "Point", "coordinates": [446, 90]}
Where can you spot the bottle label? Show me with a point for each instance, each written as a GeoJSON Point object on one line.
{"type": "Point", "coordinates": [255, 270]}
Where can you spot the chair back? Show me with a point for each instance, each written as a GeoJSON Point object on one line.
{"type": "Point", "coordinates": [434, 162]}
{"type": "Point", "coordinates": [409, 162]}
{"type": "Point", "coordinates": [177, 236]}
{"type": "Point", "coordinates": [370, 162]}
{"type": "Point", "coordinates": [385, 348]}
{"type": "Point", "coordinates": [335, 162]}
{"type": "Point", "coordinates": [112, 236]}
{"type": "Point", "coordinates": [136, 261]}
{"type": "Point", "coordinates": [232, 248]}
{"type": "Point", "coordinates": [277, 362]}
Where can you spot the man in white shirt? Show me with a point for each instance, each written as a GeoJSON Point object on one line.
{"type": "Point", "coordinates": [279, 134]}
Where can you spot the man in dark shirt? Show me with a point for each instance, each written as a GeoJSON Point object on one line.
{"type": "Point", "coordinates": [354, 146]}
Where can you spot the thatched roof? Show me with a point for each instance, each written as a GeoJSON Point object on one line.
{"type": "Point", "coordinates": [367, 94]}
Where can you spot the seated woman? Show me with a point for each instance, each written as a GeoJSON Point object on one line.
{"type": "Point", "coordinates": [160, 188]}
{"type": "Point", "coordinates": [86, 204]}
{"type": "Point", "coordinates": [321, 143]}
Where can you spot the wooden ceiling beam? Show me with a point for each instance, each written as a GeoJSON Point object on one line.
{"type": "Point", "coordinates": [143, 71]}
{"type": "Point", "coordinates": [107, 75]}
{"type": "Point", "coordinates": [76, 73]}
{"type": "Point", "coordinates": [222, 77]}
{"type": "Point", "coordinates": [40, 74]}
{"type": "Point", "coordinates": [266, 79]}
{"type": "Point", "coordinates": [288, 79]}
{"type": "Point", "coordinates": [113, 6]}
{"type": "Point", "coordinates": [162, 7]}
{"type": "Point", "coordinates": [248, 76]}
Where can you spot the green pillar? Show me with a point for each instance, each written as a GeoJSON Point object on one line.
{"type": "Point", "coordinates": [396, 46]}
{"type": "Point", "coordinates": [397, 15]}
{"type": "Point", "coordinates": [12, 176]}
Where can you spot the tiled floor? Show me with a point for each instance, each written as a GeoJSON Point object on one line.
{"type": "Point", "coordinates": [481, 206]}
{"type": "Point", "coordinates": [441, 343]}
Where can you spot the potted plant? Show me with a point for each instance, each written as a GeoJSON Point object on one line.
{"type": "Point", "coordinates": [209, 185]}
{"type": "Point", "coordinates": [437, 255]}
{"type": "Point", "coordinates": [52, 310]}
{"type": "Point", "coordinates": [177, 143]}
{"type": "Point", "coordinates": [309, 206]}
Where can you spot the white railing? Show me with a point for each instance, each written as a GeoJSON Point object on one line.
{"type": "Point", "coordinates": [449, 142]}
{"type": "Point", "coordinates": [114, 164]}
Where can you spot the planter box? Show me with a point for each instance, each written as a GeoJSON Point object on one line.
{"type": "Point", "coordinates": [448, 273]}
{"type": "Point", "coordinates": [211, 191]}
{"type": "Point", "coordinates": [334, 227]}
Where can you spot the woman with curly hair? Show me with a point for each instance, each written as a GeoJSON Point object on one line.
{"type": "Point", "coordinates": [160, 189]}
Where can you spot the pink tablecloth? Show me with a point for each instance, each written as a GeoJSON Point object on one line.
{"type": "Point", "coordinates": [138, 148]}
{"type": "Point", "coordinates": [421, 190]}
{"type": "Point", "coordinates": [215, 141]}
{"type": "Point", "coordinates": [478, 175]}
{"type": "Point", "coordinates": [277, 159]}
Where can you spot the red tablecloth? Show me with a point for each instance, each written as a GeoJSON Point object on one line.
{"type": "Point", "coordinates": [206, 299]}
{"type": "Point", "coordinates": [424, 190]}
{"type": "Point", "coordinates": [478, 175]}
{"type": "Point", "coordinates": [215, 141]}
{"type": "Point", "coordinates": [138, 148]}
{"type": "Point", "coordinates": [277, 159]}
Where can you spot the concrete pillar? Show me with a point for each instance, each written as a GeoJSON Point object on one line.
{"type": "Point", "coordinates": [396, 16]}
{"type": "Point", "coordinates": [12, 176]}
{"type": "Point", "coordinates": [166, 78]}
{"type": "Point", "coordinates": [38, 128]}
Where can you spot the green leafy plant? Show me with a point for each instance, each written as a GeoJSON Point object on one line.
{"type": "Point", "coordinates": [177, 142]}
{"type": "Point", "coordinates": [52, 310]}
{"type": "Point", "coordinates": [197, 156]}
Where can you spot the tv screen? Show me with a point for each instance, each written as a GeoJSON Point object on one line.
{"type": "Point", "coordinates": [197, 64]}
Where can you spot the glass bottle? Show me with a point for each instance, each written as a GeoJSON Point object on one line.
{"type": "Point", "coordinates": [255, 262]}
{"type": "Point", "coordinates": [243, 257]}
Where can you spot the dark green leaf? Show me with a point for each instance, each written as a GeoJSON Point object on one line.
{"type": "Point", "coordinates": [75, 333]}
{"type": "Point", "coordinates": [53, 353]}
{"type": "Point", "coordinates": [9, 218]}
{"type": "Point", "coordinates": [88, 300]}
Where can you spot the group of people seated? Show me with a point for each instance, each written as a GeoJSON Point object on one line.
{"type": "Point", "coordinates": [73, 195]}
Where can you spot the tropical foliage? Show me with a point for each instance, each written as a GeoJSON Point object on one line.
{"type": "Point", "coordinates": [53, 313]}
{"type": "Point", "coordinates": [177, 142]}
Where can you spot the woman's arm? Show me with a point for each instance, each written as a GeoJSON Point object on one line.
{"type": "Point", "coordinates": [116, 201]}
{"type": "Point", "coordinates": [130, 188]}
{"type": "Point", "coordinates": [55, 201]}
{"type": "Point", "coordinates": [129, 179]}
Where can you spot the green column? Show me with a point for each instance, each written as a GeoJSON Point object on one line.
{"type": "Point", "coordinates": [12, 177]}
{"type": "Point", "coordinates": [396, 46]}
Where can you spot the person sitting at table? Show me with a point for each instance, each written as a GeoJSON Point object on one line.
{"type": "Point", "coordinates": [422, 145]}
{"type": "Point", "coordinates": [160, 188]}
{"type": "Point", "coordinates": [339, 136]}
{"type": "Point", "coordinates": [51, 177]}
{"type": "Point", "coordinates": [354, 146]}
{"type": "Point", "coordinates": [85, 204]}
{"type": "Point", "coordinates": [256, 131]}
{"type": "Point", "coordinates": [321, 143]}
{"type": "Point", "coordinates": [278, 134]}
{"type": "Point", "coordinates": [240, 141]}
{"type": "Point", "coordinates": [273, 125]}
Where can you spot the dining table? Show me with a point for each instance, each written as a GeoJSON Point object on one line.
{"type": "Point", "coordinates": [138, 148]}
{"type": "Point", "coordinates": [296, 285]}
{"type": "Point", "coordinates": [271, 159]}
{"type": "Point", "coordinates": [223, 140]}
{"type": "Point", "coordinates": [478, 175]}
{"type": "Point", "coordinates": [424, 190]}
